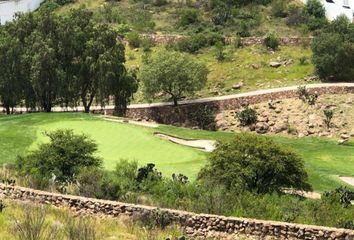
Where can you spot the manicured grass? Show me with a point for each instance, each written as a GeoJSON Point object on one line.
{"type": "Point", "coordinates": [325, 160]}
{"type": "Point", "coordinates": [115, 141]}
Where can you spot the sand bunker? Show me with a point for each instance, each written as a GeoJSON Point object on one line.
{"type": "Point", "coordinates": [205, 145]}
{"type": "Point", "coordinates": [349, 180]}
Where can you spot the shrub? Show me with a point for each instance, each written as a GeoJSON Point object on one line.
{"type": "Point", "coordinates": [63, 158]}
{"type": "Point", "coordinates": [328, 115]}
{"type": "Point", "coordinates": [333, 51]}
{"type": "Point", "coordinates": [315, 8]}
{"type": "Point", "coordinates": [133, 39]}
{"type": "Point", "coordinates": [279, 8]}
{"type": "Point", "coordinates": [122, 29]}
{"type": "Point", "coordinates": [303, 60]}
{"type": "Point", "coordinates": [147, 43]}
{"type": "Point", "coordinates": [238, 42]}
{"type": "Point", "coordinates": [219, 52]}
{"type": "Point", "coordinates": [188, 16]}
{"type": "Point", "coordinates": [197, 41]}
{"type": "Point", "coordinates": [302, 92]}
{"type": "Point", "coordinates": [271, 41]}
{"type": "Point", "coordinates": [81, 228]}
{"type": "Point", "coordinates": [341, 195]}
{"type": "Point", "coordinates": [254, 163]}
{"type": "Point", "coordinates": [31, 224]}
{"type": "Point", "coordinates": [2, 206]}
{"type": "Point", "coordinates": [247, 116]}
{"type": "Point", "coordinates": [204, 117]}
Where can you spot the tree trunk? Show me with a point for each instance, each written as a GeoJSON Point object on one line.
{"type": "Point", "coordinates": [7, 109]}
{"type": "Point", "coordinates": [175, 101]}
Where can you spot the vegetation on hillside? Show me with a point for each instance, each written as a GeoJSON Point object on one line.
{"type": "Point", "coordinates": [25, 221]}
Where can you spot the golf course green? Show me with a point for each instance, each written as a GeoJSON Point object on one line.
{"type": "Point", "coordinates": [325, 160]}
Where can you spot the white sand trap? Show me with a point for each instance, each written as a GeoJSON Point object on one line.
{"type": "Point", "coordinates": [349, 180]}
{"type": "Point", "coordinates": [205, 145]}
{"type": "Point", "coordinates": [142, 123]}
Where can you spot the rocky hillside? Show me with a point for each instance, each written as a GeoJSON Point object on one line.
{"type": "Point", "coordinates": [297, 117]}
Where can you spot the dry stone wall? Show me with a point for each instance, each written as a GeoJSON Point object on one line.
{"type": "Point", "coordinates": [181, 115]}
{"type": "Point", "coordinates": [195, 225]}
{"type": "Point", "coordinates": [247, 41]}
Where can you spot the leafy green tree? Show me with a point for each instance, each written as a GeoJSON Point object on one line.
{"type": "Point", "coordinates": [11, 85]}
{"type": "Point", "coordinates": [315, 8]}
{"type": "Point", "coordinates": [333, 51]}
{"type": "Point", "coordinates": [254, 163]}
{"type": "Point", "coordinates": [173, 73]}
{"type": "Point", "coordinates": [63, 158]}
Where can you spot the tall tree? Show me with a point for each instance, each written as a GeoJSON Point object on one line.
{"type": "Point", "coordinates": [10, 73]}
{"type": "Point", "coordinates": [46, 71]}
{"type": "Point", "coordinates": [173, 73]}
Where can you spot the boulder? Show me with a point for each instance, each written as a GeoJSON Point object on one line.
{"type": "Point", "coordinates": [344, 136]}
{"type": "Point", "coordinates": [262, 127]}
{"type": "Point", "coordinates": [275, 64]}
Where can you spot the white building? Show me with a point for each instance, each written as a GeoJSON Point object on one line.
{"type": "Point", "coordinates": [334, 8]}
{"type": "Point", "coordinates": [8, 8]}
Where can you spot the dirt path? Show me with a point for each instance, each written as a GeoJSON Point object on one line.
{"type": "Point", "coordinates": [349, 180]}
{"type": "Point", "coordinates": [142, 123]}
{"type": "Point", "coordinates": [204, 145]}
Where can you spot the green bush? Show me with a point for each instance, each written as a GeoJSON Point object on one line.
{"type": "Point", "coordinates": [328, 115]}
{"type": "Point", "coordinates": [188, 16]}
{"type": "Point", "coordinates": [253, 163]}
{"type": "Point", "coordinates": [333, 51]}
{"type": "Point", "coordinates": [247, 116]}
{"type": "Point", "coordinates": [133, 39]}
{"type": "Point", "coordinates": [271, 41]}
{"type": "Point", "coordinates": [147, 43]}
{"type": "Point", "coordinates": [204, 117]}
{"type": "Point", "coordinates": [197, 41]}
{"type": "Point", "coordinates": [61, 160]}
{"type": "Point", "coordinates": [279, 8]}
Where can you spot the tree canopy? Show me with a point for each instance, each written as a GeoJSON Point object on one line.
{"type": "Point", "coordinates": [66, 60]}
{"type": "Point", "coordinates": [333, 51]}
{"type": "Point", "coordinates": [173, 73]}
{"type": "Point", "coordinates": [253, 163]}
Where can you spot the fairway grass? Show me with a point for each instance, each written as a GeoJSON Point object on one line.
{"type": "Point", "coordinates": [325, 160]}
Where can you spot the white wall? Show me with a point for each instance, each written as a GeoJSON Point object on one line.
{"type": "Point", "coordinates": [10, 7]}
{"type": "Point", "coordinates": [335, 9]}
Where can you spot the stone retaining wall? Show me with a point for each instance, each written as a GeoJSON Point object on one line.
{"type": "Point", "coordinates": [168, 114]}
{"type": "Point", "coordinates": [195, 225]}
{"type": "Point", "coordinates": [247, 41]}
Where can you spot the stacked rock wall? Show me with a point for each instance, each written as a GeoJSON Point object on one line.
{"type": "Point", "coordinates": [196, 225]}
{"type": "Point", "coordinates": [168, 114]}
{"type": "Point", "coordinates": [247, 41]}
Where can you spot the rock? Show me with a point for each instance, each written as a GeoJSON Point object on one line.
{"type": "Point", "coordinates": [344, 136]}
{"type": "Point", "coordinates": [278, 110]}
{"type": "Point", "coordinates": [255, 66]}
{"type": "Point", "coordinates": [262, 127]}
{"type": "Point", "coordinates": [341, 141]}
{"type": "Point", "coordinates": [311, 131]}
{"type": "Point", "coordinates": [236, 86]}
{"type": "Point", "coordinates": [279, 128]}
{"type": "Point", "coordinates": [275, 64]}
